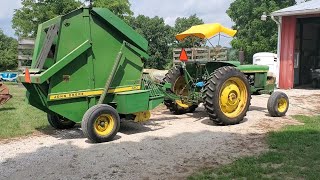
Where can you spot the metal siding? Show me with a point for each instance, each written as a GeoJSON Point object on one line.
{"type": "Point", "coordinates": [287, 52]}
{"type": "Point", "coordinates": [310, 7]}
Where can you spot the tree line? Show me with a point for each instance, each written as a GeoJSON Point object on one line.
{"type": "Point", "coordinates": [253, 34]}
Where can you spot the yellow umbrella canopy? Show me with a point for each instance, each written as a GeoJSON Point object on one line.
{"type": "Point", "coordinates": [206, 31]}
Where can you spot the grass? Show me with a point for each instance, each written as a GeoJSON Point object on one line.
{"type": "Point", "coordinates": [17, 118]}
{"type": "Point", "coordinates": [294, 154]}
{"type": "Point", "coordinates": [294, 151]}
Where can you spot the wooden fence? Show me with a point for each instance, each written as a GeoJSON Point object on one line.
{"type": "Point", "coordinates": [207, 53]}
{"type": "Point", "coordinates": [25, 51]}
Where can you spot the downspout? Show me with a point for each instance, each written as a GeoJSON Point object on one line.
{"type": "Point", "coordinates": [278, 22]}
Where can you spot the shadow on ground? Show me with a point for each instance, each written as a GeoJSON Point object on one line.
{"type": "Point", "coordinates": [126, 127]}
{"type": "Point", "coordinates": [257, 108]}
{"type": "Point", "coordinates": [130, 127]}
{"type": "Point", "coordinates": [153, 157]}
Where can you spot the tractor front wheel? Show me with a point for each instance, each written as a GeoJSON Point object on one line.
{"type": "Point", "coordinates": [59, 122]}
{"type": "Point", "coordinates": [278, 104]}
{"type": "Point", "coordinates": [227, 96]}
{"type": "Point", "coordinates": [100, 123]}
{"type": "Point", "coordinates": [179, 87]}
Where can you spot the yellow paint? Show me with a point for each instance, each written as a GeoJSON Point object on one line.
{"type": "Point", "coordinates": [104, 124]}
{"type": "Point", "coordinates": [181, 104]}
{"type": "Point", "coordinates": [206, 31]}
{"type": "Point", "coordinates": [91, 93]}
{"type": "Point", "coordinates": [142, 116]}
{"type": "Point", "coordinates": [233, 97]}
{"type": "Point", "coordinates": [282, 105]}
{"type": "Point", "coordinates": [124, 89]}
{"type": "Point", "coordinates": [75, 95]}
{"type": "Point", "coordinates": [180, 88]}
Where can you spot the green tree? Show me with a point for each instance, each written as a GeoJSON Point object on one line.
{"type": "Point", "coordinates": [159, 36]}
{"type": "Point", "coordinates": [8, 52]}
{"type": "Point", "coordinates": [181, 25]}
{"type": "Point", "coordinates": [233, 54]}
{"type": "Point", "coordinates": [253, 34]}
{"type": "Point", "coordinates": [25, 20]}
{"type": "Point", "coordinates": [33, 12]}
{"type": "Point", "coordinates": [120, 8]}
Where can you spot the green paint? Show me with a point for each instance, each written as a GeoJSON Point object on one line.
{"type": "Point", "coordinates": [122, 27]}
{"type": "Point", "coordinates": [41, 36]}
{"type": "Point", "coordinates": [154, 102]}
{"type": "Point", "coordinates": [253, 68]}
{"type": "Point", "coordinates": [260, 80]}
{"type": "Point", "coordinates": [132, 101]}
{"type": "Point", "coordinates": [201, 71]}
{"type": "Point", "coordinates": [85, 51]}
{"type": "Point", "coordinates": [61, 63]}
{"type": "Point", "coordinates": [85, 56]}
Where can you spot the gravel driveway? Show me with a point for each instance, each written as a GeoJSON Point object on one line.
{"type": "Point", "coordinates": [168, 147]}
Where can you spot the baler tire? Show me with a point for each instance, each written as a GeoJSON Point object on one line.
{"type": "Point", "coordinates": [214, 88]}
{"type": "Point", "coordinates": [59, 123]}
{"type": "Point", "coordinates": [171, 77]}
{"type": "Point", "coordinates": [278, 104]}
{"type": "Point", "coordinates": [90, 126]}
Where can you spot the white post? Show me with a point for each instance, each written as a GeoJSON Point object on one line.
{"type": "Point", "coordinates": [279, 22]}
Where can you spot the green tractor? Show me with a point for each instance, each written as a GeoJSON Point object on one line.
{"type": "Point", "coordinates": [87, 68]}
{"type": "Point", "coordinates": [224, 87]}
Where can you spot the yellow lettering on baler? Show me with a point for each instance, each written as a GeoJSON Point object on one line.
{"type": "Point", "coordinates": [91, 93]}
{"type": "Point", "coordinates": [75, 95]}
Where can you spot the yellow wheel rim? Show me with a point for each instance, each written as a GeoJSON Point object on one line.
{"type": "Point", "coordinates": [104, 124]}
{"type": "Point", "coordinates": [142, 116]}
{"type": "Point", "coordinates": [282, 104]}
{"type": "Point", "coordinates": [180, 88]}
{"type": "Point", "coordinates": [233, 97]}
{"type": "Point", "coordinates": [181, 104]}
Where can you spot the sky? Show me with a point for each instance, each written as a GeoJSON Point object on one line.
{"type": "Point", "coordinates": [211, 11]}
{"type": "Point", "coordinates": [6, 12]}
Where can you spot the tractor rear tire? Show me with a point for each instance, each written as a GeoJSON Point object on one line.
{"type": "Point", "coordinates": [100, 123]}
{"type": "Point", "coordinates": [278, 104]}
{"type": "Point", "coordinates": [174, 75]}
{"type": "Point", "coordinates": [227, 96]}
{"type": "Point", "coordinates": [58, 122]}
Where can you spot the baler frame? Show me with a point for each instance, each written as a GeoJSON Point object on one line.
{"type": "Point", "coordinates": [74, 73]}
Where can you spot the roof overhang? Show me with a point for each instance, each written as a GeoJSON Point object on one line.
{"type": "Point", "coordinates": [296, 13]}
{"type": "Point", "coordinates": [306, 8]}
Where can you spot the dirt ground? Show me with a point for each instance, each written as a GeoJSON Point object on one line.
{"type": "Point", "coordinates": [167, 147]}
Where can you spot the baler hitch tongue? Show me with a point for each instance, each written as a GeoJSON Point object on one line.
{"type": "Point", "coordinates": [4, 94]}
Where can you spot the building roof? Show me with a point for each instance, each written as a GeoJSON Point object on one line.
{"type": "Point", "coordinates": [310, 7]}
